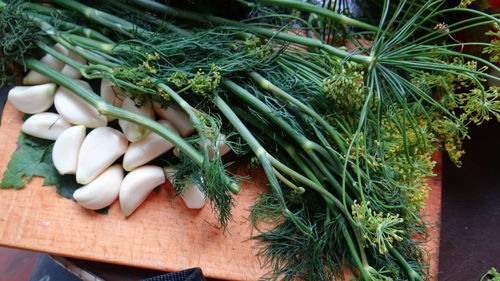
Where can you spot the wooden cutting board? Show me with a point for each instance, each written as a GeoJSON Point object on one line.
{"type": "Point", "coordinates": [162, 234]}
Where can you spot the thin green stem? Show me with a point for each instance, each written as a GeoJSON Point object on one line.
{"type": "Point", "coordinates": [304, 6]}
{"type": "Point", "coordinates": [204, 18]}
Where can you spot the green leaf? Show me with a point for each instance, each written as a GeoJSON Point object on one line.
{"type": "Point", "coordinates": [34, 158]}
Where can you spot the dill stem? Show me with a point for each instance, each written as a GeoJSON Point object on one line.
{"type": "Point", "coordinates": [106, 19]}
{"type": "Point", "coordinates": [354, 253]}
{"type": "Point", "coordinates": [192, 116]}
{"type": "Point", "coordinates": [107, 109]}
{"type": "Point", "coordinates": [85, 31]}
{"type": "Point", "coordinates": [304, 6]}
{"type": "Point", "coordinates": [411, 272]}
{"type": "Point", "coordinates": [266, 84]}
{"type": "Point", "coordinates": [262, 155]}
{"type": "Point", "coordinates": [205, 18]}
{"type": "Point", "coordinates": [308, 146]}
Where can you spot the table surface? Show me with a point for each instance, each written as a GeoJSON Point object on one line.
{"type": "Point", "coordinates": [162, 234]}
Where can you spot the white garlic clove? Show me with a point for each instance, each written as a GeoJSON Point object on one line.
{"type": "Point", "coordinates": [45, 125]}
{"type": "Point", "coordinates": [147, 149]}
{"type": "Point", "coordinates": [66, 149]}
{"type": "Point", "coordinates": [99, 150]}
{"type": "Point", "coordinates": [177, 117]}
{"type": "Point", "coordinates": [33, 77]}
{"type": "Point", "coordinates": [102, 191]}
{"type": "Point", "coordinates": [70, 71]}
{"type": "Point", "coordinates": [194, 197]}
{"type": "Point", "coordinates": [137, 185]}
{"type": "Point", "coordinates": [76, 110]}
{"type": "Point", "coordinates": [135, 132]}
{"type": "Point", "coordinates": [32, 99]}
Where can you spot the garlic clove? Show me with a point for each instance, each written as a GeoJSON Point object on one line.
{"type": "Point", "coordinates": [99, 150]}
{"type": "Point", "coordinates": [177, 117]}
{"type": "Point", "coordinates": [137, 185]}
{"type": "Point", "coordinates": [76, 110]}
{"type": "Point", "coordinates": [32, 99]}
{"type": "Point", "coordinates": [45, 125]}
{"type": "Point", "coordinates": [193, 197]}
{"type": "Point", "coordinates": [33, 77]}
{"type": "Point", "coordinates": [113, 95]}
{"type": "Point", "coordinates": [70, 71]}
{"type": "Point", "coordinates": [102, 191]}
{"type": "Point", "coordinates": [66, 149]}
{"type": "Point", "coordinates": [132, 131]}
{"type": "Point", "coordinates": [147, 149]}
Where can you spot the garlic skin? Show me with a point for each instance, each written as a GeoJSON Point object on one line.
{"type": "Point", "coordinates": [45, 125]}
{"type": "Point", "coordinates": [66, 149]}
{"type": "Point", "coordinates": [33, 77]}
{"type": "Point", "coordinates": [99, 150]}
{"type": "Point", "coordinates": [193, 197]}
{"type": "Point", "coordinates": [102, 191]}
{"type": "Point", "coordinates": [147, 149]}
{"type": "Point", "coordinates": [76, 110]}
{"type": "Point", "coordinates": [70, 71]}
{"type": "Point", "coordinates": [113, 95]}
{"type": "Point", "coordinates": [177, 117]}
{"type": "Point", "coordinates": [32, 99]}
{"type": "Point", "coordinates": [132, 131]}
{"type": "Point", "coordinates": [137, 185]}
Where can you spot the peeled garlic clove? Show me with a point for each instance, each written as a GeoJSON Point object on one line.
{"type": "Point", "coordinates": [45, 125]}
{"type": "Point", "coordinates": [66, 149]}
{"type": "Point", "coordinates": [33, 99]}
{"type": "Point", "coordinates": [132, 131]}
{"type": "Point", "coordinates": [76, 110]}
{"type": "Point", "coordinates": [177, 117]}
{"type": "Point", "coordinates": [194, 197]}
{"type": "Point", "coordinates": [33, 77]}
{"type": "Point", "coordinates": [102, 191]}
{"type": "Point", "coordinates": [99, 150]}
{"type": "Point", "coordinates": [137, 185]}
{"type": "Point", "coordinates": [70, 71]}
{"type": "Point", "coordinates": [147, 149]}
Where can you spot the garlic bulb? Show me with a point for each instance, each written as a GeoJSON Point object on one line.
{"type": "Point", "coordinates": [76, 110]}
{"type": "Point", "coordinates": [135, 132]}
{"type": "Point", "coordinates": [45, 125]}
{"type": "Point", "coordinates": [102, 191]}
{"type": "Point", "coordinates": [99, 150]}
{"type": "Point", "coordinates": [137, 185]}
{"type": "Point", "coordinates": [177, 117]}
{"type": "Point", "coordinates": [66, 149]}
{"type": "Point", "coordinates": [147, 149]}
{"type": "Point", "coordinates": [32, 99]}
{"type": "Point", "coordinates": [33, 77]}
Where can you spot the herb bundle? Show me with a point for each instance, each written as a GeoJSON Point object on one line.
{"type": "Point", "coordinates": [341, 114]}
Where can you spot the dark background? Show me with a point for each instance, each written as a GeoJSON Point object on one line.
{"type": "Point", "coordinates": [470, 223]}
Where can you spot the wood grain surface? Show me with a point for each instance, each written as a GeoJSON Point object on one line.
{"type": "Point", "coordinates": [162, 234]}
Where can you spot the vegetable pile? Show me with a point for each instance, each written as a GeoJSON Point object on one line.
{"type": "Point", "coordinates": [341, 110]}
